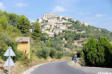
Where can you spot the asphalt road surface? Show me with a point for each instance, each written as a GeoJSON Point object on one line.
{"type": "Point", "coordinates": [56, 68]}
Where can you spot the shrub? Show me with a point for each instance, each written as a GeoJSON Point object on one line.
{"type": "Point", "coordinates": [56, 43]}
{"type": "Point", "coordinates": [43, 53]}
{"type": "Point", "coordinates": [4, 42]}
{"type": "Point", "coordinates": [59, 54]}
{"type": "Point", "coordinates": [68, 45]}
{"type": "Point", "coordinates": [52, 53]}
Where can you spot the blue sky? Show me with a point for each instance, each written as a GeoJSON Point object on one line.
{"type": "Point", "coordinates": [96, 12]}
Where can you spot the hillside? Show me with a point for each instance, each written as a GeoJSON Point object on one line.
{"type": "Point", "coordinates": [69, 33]}
{"type": "Point", "coordinates": [8, 32]}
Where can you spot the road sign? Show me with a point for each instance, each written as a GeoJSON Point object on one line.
{"type": "Point", "coordinates": [9, 52]}
{"type": "Point", "coordinates": [9, 62]}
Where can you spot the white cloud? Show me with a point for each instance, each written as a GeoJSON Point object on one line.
{"type": "Point", "coordinates": [100, 15]}
{"type": "Point", "coordinates": [2, 6]}
{"type": "Point", "coordinates": [66, 2]}
{"type": "Point", "coordinates": [59, 9]}
{"type": "Point", "coordinates": [20, 4]}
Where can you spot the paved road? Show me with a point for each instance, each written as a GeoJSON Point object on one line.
{"type": "Point", "coordinates": [56, 68]}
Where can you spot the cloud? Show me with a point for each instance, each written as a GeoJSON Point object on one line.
{"type": "Point", "coordinates": [66, 2]}
{"type": "Point", "coordinates": [59, 9]}
{"type": "Point", "coordinates": [2, 6]}
{"type": "Point", "coordinates": [20, 4]}
{"type": "Point", "coordinates": [100, 15]}
{"type": "Point", "coordinates": [63, 5]}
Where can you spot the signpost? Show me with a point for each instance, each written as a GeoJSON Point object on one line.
{"type": "Point", "coordinates": [9, 62]}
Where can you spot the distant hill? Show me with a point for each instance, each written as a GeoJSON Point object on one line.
{"type": "Point", "coordinates": [71, 32]}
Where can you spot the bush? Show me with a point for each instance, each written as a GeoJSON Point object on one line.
{"type": "Point", "coordinates": [43, 53]}
{"type": "Point", "coordinates": [52, 53]}
{"type": "Point", "coordinates": [69, 45]}
{"type": "Point", "coordinates": [59, 54]}
{"type": "Point", "coordinates": [56, 43]}
{"type": "Point", "coordinates": [4, 42]}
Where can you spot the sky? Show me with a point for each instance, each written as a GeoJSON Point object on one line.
{"type": "Point", "coordinates": [96, 12]}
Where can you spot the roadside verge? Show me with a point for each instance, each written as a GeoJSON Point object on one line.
{"type": "Point", "coordinates": [32, 68]}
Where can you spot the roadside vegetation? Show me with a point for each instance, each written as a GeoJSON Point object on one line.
{"type": "Point", "coordinates": [97, 52]}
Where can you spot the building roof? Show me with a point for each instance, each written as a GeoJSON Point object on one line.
{"type": "Point", "coordinates": [22, 39]}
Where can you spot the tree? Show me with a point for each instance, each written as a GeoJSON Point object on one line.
{"type": "Point", "coordinates": [37, 31]}
{"type": "Point", "coordinates": [12, 19]}
{"type": "Point", "coordinates": [3, 21]}
{"type": "Point", "coordinates": [107, 46]}
{"type": "Point", "coordinates": [23, 25]}
{"type": "Point", "coordinates": [98, 52]}
{"type": "Point", "coordinates": [90, 51]}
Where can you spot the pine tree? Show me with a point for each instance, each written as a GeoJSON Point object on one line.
{"type": "Point", "coordinates": [37, 31]}
{"type": "Point", "coordinates": [23, 25]}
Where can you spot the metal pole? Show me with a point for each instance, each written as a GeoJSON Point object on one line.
{"type": "Point", "coordinates": [9, 70]}
{"type": "Point", "coordinates": [9, 62]}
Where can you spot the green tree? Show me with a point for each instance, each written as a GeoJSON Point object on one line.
{"type": "Point", "coordinates": [90, 51]}
{"type": "Point", "coordinates": [23, 25]}
{"type": "Point", "coordinates": [3, 21]}
{"type": "Point", "coordinates": [37, 31]}
{"type": "Point", "coordinates": [12, 19]}
{"type": "Point", "coordinates": [98, 52]}
{"type": "Point", "coordinates": [107, 46]}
